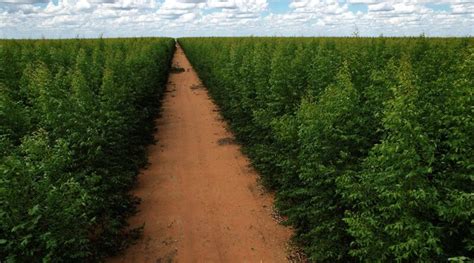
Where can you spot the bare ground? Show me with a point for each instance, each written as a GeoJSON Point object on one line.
{"type": "Point", "coordinates": [200, 199]}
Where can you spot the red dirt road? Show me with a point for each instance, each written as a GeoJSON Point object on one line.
{"type": "Point", "coordinates": [200, 199]}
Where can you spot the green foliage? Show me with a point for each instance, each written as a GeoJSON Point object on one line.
{"type": "Point", "coordinates": [328, 137]}
{"type": "Point", "coordinates": [76, 116]}
{"type": "Point", "coordinates": [367, 142]}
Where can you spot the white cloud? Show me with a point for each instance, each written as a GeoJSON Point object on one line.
{"type": "Point", "coordinates": [67, 18]}
{"type": "Point", "coordinates": [463, 8]}
{"type": "Point", "coordinates": [381, 7]}
{"type": "Point", "coordinates": [368, 2]}
{"type": "Point", "coordinates": [23, 1]}
{"type": "Point", "coordinates": [221, 4]}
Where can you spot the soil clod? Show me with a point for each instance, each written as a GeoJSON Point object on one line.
{"type": "Point", "coordinates": [226, 141]}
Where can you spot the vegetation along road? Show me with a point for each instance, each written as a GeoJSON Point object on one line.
{"type": "Point", "coordinates": [200, 199]}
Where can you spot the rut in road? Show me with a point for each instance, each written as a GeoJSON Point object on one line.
{"type": "Point", "coordinates": [200, 200]}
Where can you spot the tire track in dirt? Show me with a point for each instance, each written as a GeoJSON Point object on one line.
{"type": "Point", "coordinates": [200, 200]}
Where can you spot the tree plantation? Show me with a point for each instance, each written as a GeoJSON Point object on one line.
{"type": "Point", "coordinates": [76, 116]}
{"type": "Point", "coordinates": [367, 143]}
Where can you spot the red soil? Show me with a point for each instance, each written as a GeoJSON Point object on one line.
{"type": "Point", "coordinates": [200, 199]}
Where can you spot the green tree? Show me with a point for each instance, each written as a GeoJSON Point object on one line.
{"type": "Point", "coordinates": [328, 139]}
{"type": "Point", "coordinates": [395, 185]}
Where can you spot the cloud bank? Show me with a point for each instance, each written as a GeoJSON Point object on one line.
{"type": "Point", "coordinates": [115, 18]}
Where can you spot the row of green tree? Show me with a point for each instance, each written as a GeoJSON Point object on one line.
{"type": "Point", "coordinates": [367, 141]}
{"type": "Point", "coordinates": [75, 118]}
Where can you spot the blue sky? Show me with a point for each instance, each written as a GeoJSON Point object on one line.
{"type": "Point", "coordinates": [283, 6]}
{"type": "Point", "coordinates": [176, 18]}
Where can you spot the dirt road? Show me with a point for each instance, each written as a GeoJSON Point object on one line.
{"type": "Point", "coordinates": [200, 199]}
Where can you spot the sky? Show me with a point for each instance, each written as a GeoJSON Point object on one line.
{"type": "Point", "coordinates": [180, 18]}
